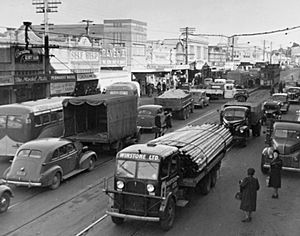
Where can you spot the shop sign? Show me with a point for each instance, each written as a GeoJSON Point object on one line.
{"type": "Point", "coordinates": [86, 76]}
{"type": "Point", "coordinates": [26, 56]}
{"type": "Point", "coordinates": [6, 80]}
{"type": "Point", "coordinates": [33, 79]}
{"type": "Point", "coordinates": [63, 77]}
{"type": "Point", "coordinates": [62, 88]}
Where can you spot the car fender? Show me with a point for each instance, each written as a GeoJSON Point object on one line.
{"type": "Point", "coordinates": [47, 176]}
{"type": "Point", "coordinates": [5, 188]}
{"type": "Point", "coordinates": [164, 204]}
{"type": "Point", "coordinates": [84, 159]}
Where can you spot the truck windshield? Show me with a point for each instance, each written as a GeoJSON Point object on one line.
{"type": "Point", "coordinates": [140, 170]}
{"type": "Point", "coordinates": [281, 98]}
{"type": "Point", "coordinates": [283, 133]}
{"type": "Point", "coordinates": [234, 114]}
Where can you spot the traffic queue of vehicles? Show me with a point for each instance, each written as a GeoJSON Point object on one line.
{"type": "Point", "coordinates": [149, 179]}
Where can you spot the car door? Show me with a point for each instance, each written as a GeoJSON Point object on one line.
{"type": "Point", "coordinates": [68, 158]}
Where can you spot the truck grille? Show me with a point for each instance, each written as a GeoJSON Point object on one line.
{"type": "Point", "coordinates": [135, 204]}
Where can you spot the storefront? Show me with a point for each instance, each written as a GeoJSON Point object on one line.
{"type": "Point", "coordinates": [62, 84]}
{"type": "Point", "coordinates": [29, 88]}
{"type": "Point", "coordinates": [86, 84]}
{"type": "Point", "coordinates": [6, 90]}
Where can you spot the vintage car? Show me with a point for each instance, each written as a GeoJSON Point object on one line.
{"type": "Point", "coordinates": [5, 195]}
{"type": "Point", "coordinates": [285, 138]}
{"type": "Point", "coordinates": [293, 94]}
{"type": "Point", "coordinates": [271, 111]}
{"type": "Point", "coordinates": [199, 97]}
{"type": "Point", "coordinates": [146, 116]}
{"type": "Point", "coordinates": [46, 162]}
{"type": "Point", "coordinates": [283, 99]}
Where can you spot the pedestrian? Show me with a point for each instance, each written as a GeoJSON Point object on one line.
{"type": "Point", "coordinates": [158, 87]}
{"type": "Point", "coordinates": [248, 188]}
{"type": "Point", "coordinates": [158, 125]}
{"type": "Point", "coordinates": [275, 173]}
{"type": "Point", "coordinates": [168, 115]}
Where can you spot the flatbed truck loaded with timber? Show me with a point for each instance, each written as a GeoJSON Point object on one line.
{"type": "Point", "coordinates": [103, 121]}
{"type": "Point", "coordinates": [177, 101]}
{"type": "Point", "coordinates": [151, 179]}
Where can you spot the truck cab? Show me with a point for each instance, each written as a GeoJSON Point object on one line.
{"type": "Point", "coordinates": [271, 111]}
{"type": "Point", "coordinates": [285, 137]}
{"type": "Point", "coordinates": [145, 184]}
{"type": "Point", "coordinates": [240, 118]}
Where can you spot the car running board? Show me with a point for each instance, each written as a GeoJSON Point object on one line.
{"type": "Point", "coordinates": [74, 172]}
{"type": "Point", "coordinates": [181, 203]}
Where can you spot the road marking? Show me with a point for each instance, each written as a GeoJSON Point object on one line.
{"type": "Point", "coordinates": [91, 225]}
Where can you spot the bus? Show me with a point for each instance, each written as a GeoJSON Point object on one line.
{"type": "Point", "coordinates": [22, 122]}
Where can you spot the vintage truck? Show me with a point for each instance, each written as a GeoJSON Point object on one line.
{"type": "Point", "coordinates": [240, 118]}
{"type": "Point", "coordinates": [177, 101]}
{"type": "Point", "coordinates": [151, 179]}
{"type": "Point", "coordinates": [285, 138]}
{"type": "Point", "coordinates": [102, 120]}
{"type": "Point", "coordinates": [271, 111]}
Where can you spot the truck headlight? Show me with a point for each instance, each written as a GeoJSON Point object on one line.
{"type": "Point", "coordinates": [120, 184]}
{"type": "Point", "coordinates": [150, 188]}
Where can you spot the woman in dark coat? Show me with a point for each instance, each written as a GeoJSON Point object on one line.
{"type": "Point", "coordinates": [249, 187]}
{"type": "Point", "coordinates": [275, 173]}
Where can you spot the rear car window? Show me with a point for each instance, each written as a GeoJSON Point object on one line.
{"type": "Point", "coordinates": [27, 153]}
{"type": "Point", "coordinates": [145, 112]}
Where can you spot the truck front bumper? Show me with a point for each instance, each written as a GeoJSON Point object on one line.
{"type": "Point", "coordinates": [133, 217]}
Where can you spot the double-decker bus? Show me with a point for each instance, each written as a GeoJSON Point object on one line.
{"type": "Point", "coordinates": [21, 122]}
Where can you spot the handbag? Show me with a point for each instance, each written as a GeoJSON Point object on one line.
{"type": "Point", "coordinates": [238, 196]}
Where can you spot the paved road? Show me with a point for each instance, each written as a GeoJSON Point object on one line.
{"type": "Point", "coordinates": [80, 201]}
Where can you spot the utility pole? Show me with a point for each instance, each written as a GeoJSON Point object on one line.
{"type": "Point", "coordinates": [87, 25]}
{"type": "Point", "coordinates": [187, 31]}
{"type": "Point", "coordinates": [232, 49]}
{"type": "Point", "coordinates": [264, 48]}
{"type": "Point", "coordinates": [271, 53]}
{"type": "Point", "coordinates": [45, 7]}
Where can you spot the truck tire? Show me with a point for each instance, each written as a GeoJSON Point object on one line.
{"type": "Point", "coordinates": [166, 223]}
{"type": "Point", "coordinates": [205, 184]}
{"type": "Point", "coordinates": [214, 175]}
{"type": "Point", "coordinates": [117, 220]}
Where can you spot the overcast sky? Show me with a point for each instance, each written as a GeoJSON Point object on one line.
{"type": "Point", "coordinates": [165, 17]}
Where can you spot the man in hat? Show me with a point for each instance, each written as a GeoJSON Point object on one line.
{"type": "Point", "coordinates": [249, 187]}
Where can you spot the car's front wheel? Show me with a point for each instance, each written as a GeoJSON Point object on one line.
{"type": "Point", "coordinates": [4, 202]}
{"type": "Point", "coordinates": [56, 181]}
{"type": "Point", "coordinates": [92, 162]}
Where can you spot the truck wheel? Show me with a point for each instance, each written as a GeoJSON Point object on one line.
{"type": "Point", "coordinates": [55, 181]}
{"type": "Point", "coordinates": [214, 175]}
{"type": "Point", "coordinates": [166, 223]}
{"type": "Point", "coordinates": [264, 170]}
{"type": "Point", "coordinates": [205, 184]}
{"type": "Point", "coordinates": [4, 202]}
{"type": "Point", "coordinates": [117, 220]}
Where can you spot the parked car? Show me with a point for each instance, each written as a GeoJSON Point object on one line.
{"type": "Point", "coordinates": [293, 94]}
{"type": "Point", "coordinates": [271, 111]}
{"type": "Point", "coordinates": [283, 99]}
{"type": "Point", "coordinates": [146, 116]}
{"type": "Point", "coordinates": [200, 98]}
{"type": "Point", "coordinates": [48, 161]}
{"type": "Point", "coordinates": [5, 195]}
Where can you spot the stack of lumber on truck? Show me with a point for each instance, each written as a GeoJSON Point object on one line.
{"type": "Point", "coordinates": [199, 145]}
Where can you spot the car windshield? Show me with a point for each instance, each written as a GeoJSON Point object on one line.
{"type": "Point", "coordinates": [234, 114]}
{"type": "Point", "coordinates": [145, 112]}
{"type": "Point", "coordinates": [140, 169]}
{"type": "Point", "coordinates": [284, 133]}
{"type": "Point", "coordinates": [27, 153]}
{"type": "Point", "coordinates": [293, 90]}
{"type": "Point", "coordinates": [281, 98]}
